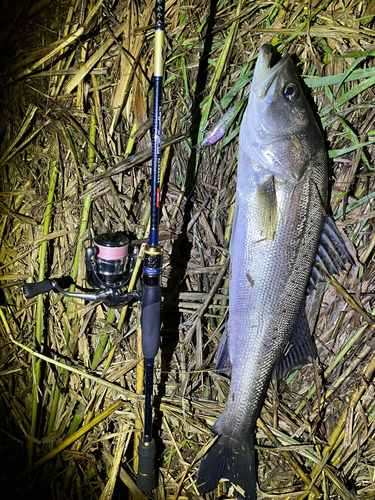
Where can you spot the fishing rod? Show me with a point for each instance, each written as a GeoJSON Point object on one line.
{"type": "Point", "coordinates": [152, 269]}
{"type": "Point", "coordinates": [110, 264]}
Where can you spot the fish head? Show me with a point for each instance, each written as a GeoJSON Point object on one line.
{"type": "Point", "coordinates": [279, 130]}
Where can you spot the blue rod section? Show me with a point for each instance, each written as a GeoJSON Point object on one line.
{"type": "Point", "coordinates": [156, 156]}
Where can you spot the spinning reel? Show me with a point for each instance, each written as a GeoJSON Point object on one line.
{"type": "Point", "coordinates": [109, 269]}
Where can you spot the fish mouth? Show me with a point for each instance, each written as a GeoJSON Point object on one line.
{"type": "Point", "coordinates": [265, 75]}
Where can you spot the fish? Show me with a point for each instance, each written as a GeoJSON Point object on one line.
{"type": "Point", "coordinates": [281, 242]}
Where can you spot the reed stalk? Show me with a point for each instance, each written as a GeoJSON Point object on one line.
{"type": "Point", "coordinates": [37, 342]}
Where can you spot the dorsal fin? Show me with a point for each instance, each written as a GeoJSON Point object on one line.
{"type": "Point", "coordinates": [332, 254]}
{"type": "Point", "coordinates": [299, 349]}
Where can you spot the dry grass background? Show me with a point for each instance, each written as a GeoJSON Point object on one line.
{"type": "Point", "coordinates": [75, 101]}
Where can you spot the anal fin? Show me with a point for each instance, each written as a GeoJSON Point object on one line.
{"type": "Point", "coordinates": [223, 363]}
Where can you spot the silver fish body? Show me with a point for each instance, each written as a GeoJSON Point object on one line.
{"type": "Point", "coordinates": [279, 215]}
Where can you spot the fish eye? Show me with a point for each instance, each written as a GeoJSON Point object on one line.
{"type": "Point", "coordinates": [291, 92]}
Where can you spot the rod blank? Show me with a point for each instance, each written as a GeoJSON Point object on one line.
{"type": "Point", "coordinates": [152, 269]}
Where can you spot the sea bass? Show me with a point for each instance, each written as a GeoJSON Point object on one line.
{"type": "Point", "coordinates": [279, 234]}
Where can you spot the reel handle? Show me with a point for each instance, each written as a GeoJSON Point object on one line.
{"type": "Point", "coordinates": [31, 290]}
{"type": "Point", "coordinates": [112, 297]}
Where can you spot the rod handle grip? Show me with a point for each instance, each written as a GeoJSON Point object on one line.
{"type": "Point", "coordinates": [150, 320]}
{"type": "Point", "coordinates": [30, 290]}
{"type": "Point", "coordinates": [146, 476]}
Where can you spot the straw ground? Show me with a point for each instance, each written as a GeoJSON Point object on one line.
{"type": "Point", "coordinates": [75, 102]}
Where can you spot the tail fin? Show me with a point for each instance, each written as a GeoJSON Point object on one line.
{"type": "Point", "coordinates": [232, 460]}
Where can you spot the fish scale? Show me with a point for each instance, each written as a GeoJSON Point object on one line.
{"type": "Point", "coordinates": [281, 199]}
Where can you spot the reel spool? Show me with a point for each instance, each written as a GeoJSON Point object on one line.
{"type": "Point", "coordinates": [106, 261]}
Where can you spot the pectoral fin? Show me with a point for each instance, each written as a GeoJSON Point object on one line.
{"type": "Point", "coordinates": [267, 209]}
